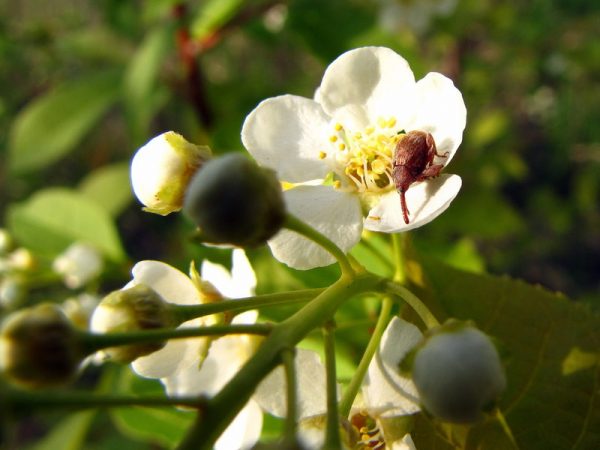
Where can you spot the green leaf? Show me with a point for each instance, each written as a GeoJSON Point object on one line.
{"type": "Point", "coordinates": [142, 95]}
{"type": "Point", "coordinates": [212, 15]}
{"type": "Point", "coordinates": [551, 355]}
{"type": "Point", "coordinates": [52, 125]}
{"type": "Point", "coordinates": [54, 218]}
{"type": "Point", "coordinates": [109, 187]}
{"type": "Point", "coordinates": [68, 434]}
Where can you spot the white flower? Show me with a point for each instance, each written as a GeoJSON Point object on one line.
{"type": "Point", "coordinates": [79, 309]}
{"type": "Point", "coordinates": [203, 365]}
{"type": "Point", "coordinates": [162, 169]}
{"type": "Point", "coordinates": [385, 395]}
{"type": "Point", "coordinates": [336, 150]}
{"type": "Point", "coordinates": [78, 264]}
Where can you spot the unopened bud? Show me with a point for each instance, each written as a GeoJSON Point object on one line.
{"type": "Point", "coordinates": [39, 347]}
{"type": "Point", "coordinates": [458, 373]}
{"type": "Point", "coordinates": [234, 201]}
{"type": "Point", "coordinates": [161, 171]}
{"type": "Point", "coordinates": [78, 264]}
{"type": "Point", "coordinates": [128, 310]}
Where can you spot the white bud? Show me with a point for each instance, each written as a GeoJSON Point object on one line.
{"type": "Point", "coordinates": [132, 309]}
{"type": "Point", "coordinates": [78, 264]}
{"type": "Point", "coordinates": [162, 169]}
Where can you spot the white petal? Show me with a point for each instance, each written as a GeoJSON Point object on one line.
{"type": "Point", "coordinates": [242, 274]}
{"type": "Point", "coordinates": [385, 390]}
{"type": "Point", "coordinates": [405, 444]}
{"type": "Point", "coordinates": [217, 275]}
{"type": "Point", "coordinates": [375, 77]}
{"type": "Point", "coordinates": [243, 432]}
{"type": "Point", "coordinates": [171, 284]}
{"type": "Point", "coordinates": [287, 133]}
{"type": "Point", "coordinates": [425, 201]}
{"type": "Point", "coordinates": [440, 111]}
{"type": "Point", "coordinates": [335, 214]}
{"type": "Point", "coordinates": [168, 359]}
{"type": "Point", "coordinates": [311, 387]}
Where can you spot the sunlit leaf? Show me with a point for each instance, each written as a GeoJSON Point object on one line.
{"type": "Point", "coordinates": [54, 218]}
{"type": "Point", "coordinates": [213, 14]}
{"type": "Point", "coordinates": [53, 124]}
{"type": "Point", "coordinates": [539, 333]}
{"type": "Point", "coordinates": [109, 187]}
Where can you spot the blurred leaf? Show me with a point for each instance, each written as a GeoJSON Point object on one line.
{"type": "Point", "coordinates": [68, 434]}
{"type": "Point", "coordinates": [488, 127]}
{"type": "Point", "coordinates": [96, 44]}
{"type": "Point", "coordinates": [212, 15]}
{"type": "Point", "coordinates": [481, 213]}
{"type": "Point", "coordinates": [141, 93]}
{"type": "Point", "coordinates": [53, 124]}
{"type": "Point", "coordinates": [540, 331]}
{"type": "Point", "coordinates": [165, 425]}
{"type": "Point", "coordinates": [54, 218]}
{"type": "Point", "coordinates": [109, 187]}
{"type": "Point", "coordinates": [330, 27]}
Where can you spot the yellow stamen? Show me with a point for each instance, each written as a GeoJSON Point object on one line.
{"type": "Point", "coordinates": [322, 155]}
{"type": "Point", "coordinates": [333, 138]}
{"type": "Point", "coordinates": [338, 127]}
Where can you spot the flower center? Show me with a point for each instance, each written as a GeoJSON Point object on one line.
{"type": "Point", "coordinates": [362, 160]}
{"type": "Point", "coordinates": [370, 436]}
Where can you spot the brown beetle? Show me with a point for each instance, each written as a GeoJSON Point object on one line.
{"type": "Point", "coordinates": [413, 161]}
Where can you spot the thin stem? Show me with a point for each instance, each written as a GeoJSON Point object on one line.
{"type": "Point", "coordinates": [223, 407]}
{"type": "Point", "coordinates": [94, 342]}
{"type": "Point", "coordinates": [189, 312]}
{"type": "Point", "coordinates": [291, 420]}
{"type": "Point", "coordinates": [24, 400]}
{"type": "Point", "coordinates": [357, 379]}
{"type": "Point", "coordinates": [294, 224]}
{"type": "Point", "coordinates": [414, 302]}
{"type": "Point", "coordinates": [332, 433]}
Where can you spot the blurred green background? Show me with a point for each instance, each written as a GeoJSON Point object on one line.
{"type": "Point", "coordinates": [85, 83]}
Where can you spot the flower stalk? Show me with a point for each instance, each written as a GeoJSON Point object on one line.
{"type": "Point", "coordinates": [332, 432]}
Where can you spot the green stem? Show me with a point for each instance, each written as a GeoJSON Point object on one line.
{"type": "Point", "coordinates": [414, 302]}
{"type": "Point", "coordinates": [332, 434]}
{"type": "Point", "coordinates": [94, 342]}
{"type": "Point", "coordinates": [505, 427]}
{"type": "Point", "coordinates": [25, 401]}
{"type": "Point", "coordinates": [189, 312]}
{"type": "Point", "coordinates": [222, 408]}
{"type": "Point", "coordinates": [294, 224]}
{"type": "Point", "coordinates": [357, 379]}
{"type": "Point", "coordinates": [291, 420]}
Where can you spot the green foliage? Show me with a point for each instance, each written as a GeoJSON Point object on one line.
{"type": "Point", "coordinates": [69, 434]}
{"type": "Point", "coordinates": [550, 345]}
{"type": "Point", "coordinates": [53, 218]}
{"type": "Point", "coordinates": [56, 123]}
{"type": "Point", "coordinates": [107, 186]}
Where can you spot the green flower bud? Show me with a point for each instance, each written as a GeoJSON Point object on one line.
{"type": "Point", "coordinates": [458, 373]}
{"type": "Point", "coordinates": [234, 201]}
{"type": "Point", "coordinates": [39, 347]}
{"type": "Point", "coordinates": [128, 310]}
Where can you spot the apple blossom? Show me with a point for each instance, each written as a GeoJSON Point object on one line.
{"type": "Point", "coordinates": [203, 365]}
{"type": "Point", "coordinates": [377, 414]}
{"type": "Point", "coordinates": [162, 169]}
{"type": "Point", "coordinates": [336, 151]}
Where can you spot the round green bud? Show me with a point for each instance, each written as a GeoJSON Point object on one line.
{"type": "Point", "coordinates": [234, 201]}
{"type": "Point", "coordinates": [39, 347]}
{"type": "Point", "coordinates": [129, 310]}
{"type": "Point", "coordinates": [458, 373]}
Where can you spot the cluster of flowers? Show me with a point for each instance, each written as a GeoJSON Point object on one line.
{"type": "Point", "coordinates": [336, 156]}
